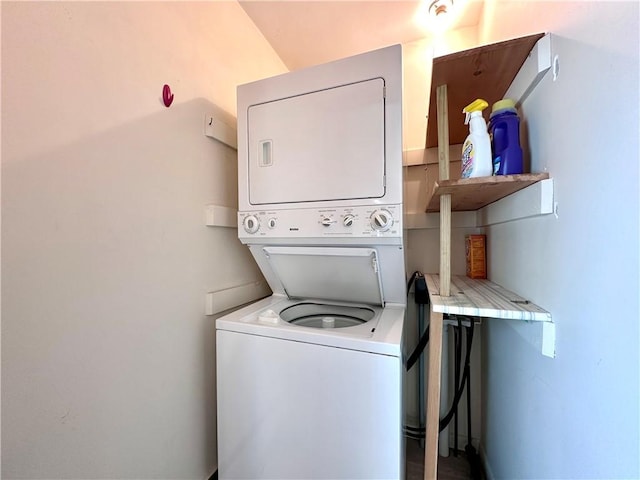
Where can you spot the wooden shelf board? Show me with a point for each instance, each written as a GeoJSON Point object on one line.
{"type": "Point", "coordinates": [483, 72]}
{"type": "Point", "coordinates": [482, 298]}
{"type": "Point", "coordinates": [474, 193]}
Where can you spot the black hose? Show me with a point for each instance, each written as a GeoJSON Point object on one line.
{"type": "Point", "coordinates": [475, 464]}
{"type": "Point", "coordinates": [415, 355]}
{"type": "Point", "coordinates": [424, 337]}
{"type": "Point", "coordinates": [469, 403]}
{"type": "Point", "coordinates": [447, 418]}
{"type": "Point", "coordinates": [411, 280]}
{"type": "Point", "coordinates": [457, 330]}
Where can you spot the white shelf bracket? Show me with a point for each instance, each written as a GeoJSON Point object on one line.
{"type": "Point", "coordinates": [219, 216]}
{"type": "Point", "coordinates": [217, 129]}
{"type": "Point", "coordinates": [532, 71]}
{"type": "Point", "coordinates": [549, 339]}
{"type": "Point", "coordinates": [535, 200]}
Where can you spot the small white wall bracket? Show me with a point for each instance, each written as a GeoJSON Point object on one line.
{"type": "Point", "coordinates": [549, 339]}
{"type": "Point", "coordinates": [556, 67]}
{"type": "Point", "coordinates": [217, 129]}
{"type": "Point", "coordinates": [219, 216]}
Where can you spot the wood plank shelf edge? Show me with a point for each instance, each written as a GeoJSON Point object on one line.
{"type": "Point", "coordinates": [482, 298]}
{"type": "Point", "coordinates": [475, 193]}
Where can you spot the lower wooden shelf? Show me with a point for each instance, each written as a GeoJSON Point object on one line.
{"type": "Point", "coordinates": [482, 298]}
{"type": "Point", "coordinates": [475, 193]}
{"type": "Point", "coordinates": [477, 298]}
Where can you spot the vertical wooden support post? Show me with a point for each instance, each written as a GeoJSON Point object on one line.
{"type": "Point", "coordinates": [436, 320]}
{"type": "Point", "coordinates": [433, 396]}
{"type": "Point", "coordinates": [445, 200]}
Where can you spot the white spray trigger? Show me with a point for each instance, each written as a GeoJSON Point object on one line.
{"type": "Point", "coordinates": [477, 105]}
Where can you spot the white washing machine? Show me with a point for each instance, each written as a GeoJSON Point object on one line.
{"type": "Point", "coordinates": [309, 380]}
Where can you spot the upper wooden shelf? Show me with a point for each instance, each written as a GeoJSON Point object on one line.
{"type": "Point", "coordinates": [475, 193]}
{"type": "Point", "coordinates": [484, 72]}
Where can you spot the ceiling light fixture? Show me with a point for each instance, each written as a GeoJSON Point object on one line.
{"type": "Point", "coordinates": [440, 8]}
{"type": "Point", "coordinates": [438, 16]}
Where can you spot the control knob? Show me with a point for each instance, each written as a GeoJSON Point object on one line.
{"type": "Point", "coordinates": [326, 221]}
{"type": "Point", "coordinates": [251, 224]}
{"type": "Point", "coordinates": [381, 220]}
{"type": "Point", "coordinates": [348, 219]}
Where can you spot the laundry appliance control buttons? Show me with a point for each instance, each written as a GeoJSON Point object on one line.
{"type": "Point", "coordinates": [271, 223]}
{"type": "Point", "coordinates": [348, 219]}
{"type": "Point", "coordinates": [381, 220]}
{"type": "Point", "coordinates": [326, 221]}
{"type": "Point", "coordinates": [251, 224]}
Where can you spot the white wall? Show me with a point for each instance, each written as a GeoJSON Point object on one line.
{"type": "Point", "coordinates": [417, 58]}
{"type": "Point", "coordinates": [575, 416]}
{"type": "Point", "coordinates": [108, 362]}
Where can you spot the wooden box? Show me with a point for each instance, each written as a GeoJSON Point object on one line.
{"type": "Point", "coordinates": [476, 248]}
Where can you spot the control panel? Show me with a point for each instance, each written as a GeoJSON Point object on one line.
{"type": "Point", "coordinates": [368, 221]}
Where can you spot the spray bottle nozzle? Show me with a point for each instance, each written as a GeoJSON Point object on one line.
{"type": "Point", "coordinates": [476, 106]}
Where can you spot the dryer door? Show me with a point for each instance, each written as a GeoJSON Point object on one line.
{"type": "Point", "coordinates": [323, 145]}
{"type": "Point", "coordinates": [328, 273]}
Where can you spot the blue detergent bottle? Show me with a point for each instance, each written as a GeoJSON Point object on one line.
{"type": "Point", "coordinates": [504, 128]}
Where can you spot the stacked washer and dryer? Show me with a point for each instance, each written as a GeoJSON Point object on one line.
{"type": "Point", "coordinates": [309, 380]}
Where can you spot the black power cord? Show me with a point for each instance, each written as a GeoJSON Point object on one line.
{"type": "Point", "coordinates": [421, 298]}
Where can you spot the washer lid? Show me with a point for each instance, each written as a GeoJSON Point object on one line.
{"type": "Point", "coordinates": [330, 273]}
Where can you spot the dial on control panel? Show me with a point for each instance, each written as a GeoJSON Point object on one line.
{"type": "Point", "coordinates": [348, 219]}
{"type": "Point", "coordinates": [251, 224]}
{"type": "Point", "coordinates": [381, 220]}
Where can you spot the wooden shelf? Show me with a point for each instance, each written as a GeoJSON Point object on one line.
{"type": "Point", "coordinates": [482, 298]}
{"type": "Point", "coordinates": [456, 80]}
{"type": "Point", "coordinates": [474, 193]}
{"type": "Point", "coordinates": [484, 72]}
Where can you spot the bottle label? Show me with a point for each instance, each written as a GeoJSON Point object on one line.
{"type": "Point", "coordinates": [468, 157]}
{"type": "Point", "coordinates": [496, 164]}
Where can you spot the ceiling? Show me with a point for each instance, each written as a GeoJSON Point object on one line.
{"type": "Point", "coordinates": [305, 33]}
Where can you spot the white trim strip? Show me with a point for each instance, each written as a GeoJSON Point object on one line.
{"type": "Point", "coordinates": [232, 297]}
{"type": "Point", "coordinates": [219, 216]}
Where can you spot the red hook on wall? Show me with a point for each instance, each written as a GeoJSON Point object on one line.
{"type": "Point", "coordinates": [167, 96]}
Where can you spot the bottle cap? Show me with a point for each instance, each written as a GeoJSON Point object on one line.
{"type": "Point", "coordinates": [504, 104]}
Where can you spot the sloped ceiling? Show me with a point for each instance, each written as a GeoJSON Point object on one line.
{"type": "Point", "coordinates": [305, 33]}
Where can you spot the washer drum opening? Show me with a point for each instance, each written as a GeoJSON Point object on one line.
{"type": "Point", "coordinates": [317, 315]}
